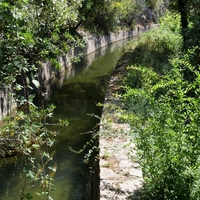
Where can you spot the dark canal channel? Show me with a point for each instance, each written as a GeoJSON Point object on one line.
{"type": "Point", "coordinates": [75, 101]}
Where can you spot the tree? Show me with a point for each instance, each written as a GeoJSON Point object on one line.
{"type": "Point", "coordinates": [97, 16]}
{"type": "Point", "coordinates": [182, 8]}
{"type": "Point", "coordinates": [105, 16]}
{"type": "Point", "coordinates": [33, 31]}
{"type": "Point", "coordinates": [189, 11]}
{"type": "Point", "coordinates": [163, 110]}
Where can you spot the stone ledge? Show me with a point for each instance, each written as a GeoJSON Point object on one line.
{"type": "Point", "coordinates": [120, 173]}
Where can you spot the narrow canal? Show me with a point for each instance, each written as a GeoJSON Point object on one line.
{"type": "Point", "coordinates": [75, 101]}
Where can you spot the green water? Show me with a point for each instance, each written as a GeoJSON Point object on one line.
{"type": "Point", "coordinates": [76, 100]}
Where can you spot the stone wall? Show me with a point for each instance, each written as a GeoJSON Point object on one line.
{"type": "Point", "coordinates": [120, 173]}
{"type": "Point", "coordinates": [6, 102]}
{"type": "Point", "coordinates": [94, 42]}
{"type": "Point", "coordinates": [49, 75]}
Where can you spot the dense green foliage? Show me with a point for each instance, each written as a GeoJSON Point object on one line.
{"type": "Point", "coordinates": [163, 110]}
{"type": "Point", "coordinates": [156, 46]}
{"type": "Point", "coordinates": [32, 32]}
{"type": "Point", "coordinates": [189, 12]}
{"type": "Point", "coordinates": [104, 16]}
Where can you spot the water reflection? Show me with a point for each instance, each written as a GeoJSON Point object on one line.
{"type": "Point", "coordinates": [75, 101]}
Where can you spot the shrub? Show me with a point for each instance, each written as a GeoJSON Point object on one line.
{"type": "Point", "coordinates": [163, 110]}
{"type": "Point", "coordinates": [156, 46]}
{"type": "Point", "coordinates": [165, 120]}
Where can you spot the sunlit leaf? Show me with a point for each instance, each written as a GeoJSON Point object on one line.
{"type": "Point", "coordinates": [36, 83]}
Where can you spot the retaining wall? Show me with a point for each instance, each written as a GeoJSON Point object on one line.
{"type": "Point", "coordinates": [48, 75]}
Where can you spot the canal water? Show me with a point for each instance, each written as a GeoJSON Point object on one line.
{"type": "Point", "coordinates": [75, 101]}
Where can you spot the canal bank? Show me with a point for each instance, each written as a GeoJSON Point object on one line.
{"type": "Point", "coordinates": [120, 173]}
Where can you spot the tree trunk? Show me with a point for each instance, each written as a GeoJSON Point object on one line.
{"type": "Point", "coordinates": [184, 21]}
